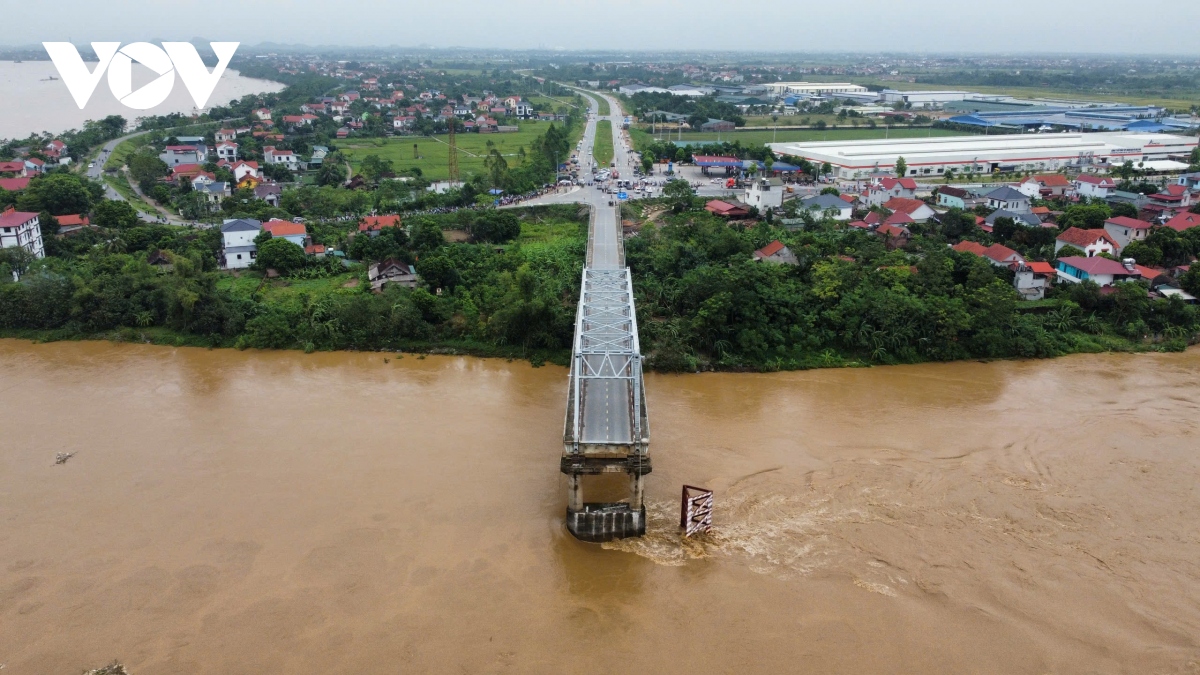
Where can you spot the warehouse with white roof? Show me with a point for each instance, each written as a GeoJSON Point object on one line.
{"type": "Point", "coordinates": [986, 154]}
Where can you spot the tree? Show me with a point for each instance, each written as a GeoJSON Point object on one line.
{"type": "Point", "coordinates": [281, 255]}
{"type": "Point", "coordinates": [58, 193]}
{"type": "Point", "coordinates": [901, 167]}
{"type": "Point", "coordinates": [497, 168]}
{"type": "Point", "coordinates": [679, 194]}
{"type": "Point", "coordinates": [146, 168]}
{"type": "Point", "coordinates": [647, 163]}
{"type": "Point", "coordinates": [495, 227]}
{"type": "Point", "coordinates": [1143, 253]}
{"type": "Point", "coordinates": [438, 271]}
{"type": "Point", "coordinates": [1124, 209]}
{"type": "Point", "coordinates": [1085, 216]}
{"type": "Point", "coordinates": [373, 168]}
{"type": "Point", "coordinates": [330, 173]}
{"type": "Point", "coordinates": [114, 214]}
{"type": "Point", "coordinates": [1068, 251]}
{"type": "Point", "coordinates": [426, 234]}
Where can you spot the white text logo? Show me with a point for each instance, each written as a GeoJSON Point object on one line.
{"type": "Point", "coordinates": [172, 57]}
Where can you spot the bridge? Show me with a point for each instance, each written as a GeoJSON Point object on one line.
{"type": "Point", "coordinates": [607, 428]}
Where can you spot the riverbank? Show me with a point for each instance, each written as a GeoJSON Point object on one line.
{"type": "Point", "coordinates": [267, 511]}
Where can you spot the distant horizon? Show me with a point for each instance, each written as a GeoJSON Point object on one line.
{"type": "Point", "coordinates": [936, 27]}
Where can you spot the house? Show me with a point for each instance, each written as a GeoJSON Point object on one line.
{"type": "Point", "coordinates": [953, 198]}
{"type": "Point", "coordinates": [315, 250]}
{"type": "Point", "coordinates": [34, 166]}
{"type": "Point", "coordinates": [214, 192]}
{"type": "Point", "coordinates": [262, 114]}
{"type": "Point", "coordinates": [1183, 221]}
{"type": "Point", "coordinates": [776, 252]}
{"type": "Point", "coordinates": [372, 225]}
{"type": "Point", "coordinates": [21, 228]}
{"type": "Point", "coordinates": [895, 235]}
{"type": "Point", "coordinates": [343, 132]}
{"type": "Point", "coordinates": [1091, 242]}
{"type": "Point", "coordinates": [237, 243]}
{"type": "Point", "coordinates": [392, 271]}
{"type": "Point", "coordinates": [1032, 279]}
{"type": "Point", "coordinates": [1124, 229]}
{"type": "Point", "coordinates": [404, 122]}
{"type": "Point", "coordinates": [887, 188]}
{"type": "Point", "coordinates": [185, 172]}
{"type": "Point", "coordinates": [285, 229]}
{"type": "Point", "coordinates": [916, 209]}
{"type": "Point", "coordinates": [16, 168]}
{"type": "Point", "coordinates": [726, 209]}
{"type": "Point", "coordinates": [1092, 186]}
{"type": "Point", "coordinates": [319, 152]}
{"type": "Point", "coordinates": [285, 158]}
{"type": "Point", "coordinates": [1008, 199]}
{"type": "Point", "coordinates": [764, 193]}
{"type": "Point", "coordinates": [1173, 196]}
{"type": "Point", "coordinates": [1102, 271]}
{"type": "Point", "coordinates": [1030, 187]}
{"type": "Point", "coordinates": [269, 193]}
{"type": "Point", "coordinates": [225, 135]}
{"type": "Point", "coordinates": [997, 254]}
{"type": "Point", "coordinates": [1054, 185]}
{"type": "Point", "coordinates": [227, 150]}
{"type": "Point", "coordinates": [1025, 218]}
{"type": "Point", "coordinates": [14, 184]}
{"type": "Point", "coordinates": [837, 207]}
{"type": "Point", "coordinates": [241, 170]}
{"type": "Point", "coordinates": [174, 155]}
{"type": "Point", "coordinates": [55, 150]}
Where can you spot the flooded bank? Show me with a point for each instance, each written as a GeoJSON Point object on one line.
{"type": "Point", "coordinates": [249, 512]}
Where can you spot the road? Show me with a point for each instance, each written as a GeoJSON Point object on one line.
{"type": "Point", "coordinates": [96, 173]}
{"type": "Point", "coordinates": [605, 402]}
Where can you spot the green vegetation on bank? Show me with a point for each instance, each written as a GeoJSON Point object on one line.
{"type": "Point", "coordinates": [704, 303]}
{"type": "Point", "coordinates": [476, 297]}
{"type": "Point", "coordinates": [603, 108]}
{"type": "Point", "coordinates": [603, 149]}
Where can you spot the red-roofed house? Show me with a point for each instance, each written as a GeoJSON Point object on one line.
{"type": "Point", "coordinates": [1091, 242]}
{"type": "Point", "coordinates": [1184, 221]}
{"type": "Point", "coordinates": [227, 150]}
{"type": "Point", "coordinates": [225, 135]}
{"type": "Point", "coordinates": [887, 188]}
{"type": "Point", "coordinates": [12, 167]}
{"type": "Point", "coordinates": [916, 209]}
{"type": "Point", "coordinates": [14, 184]}
{"type": "Point", "coordinates": [1176, 196]}
{"type": "Point", "coordinates": [1124, 229]}
{"type": "Point", "coordinates": [726, 209]}
{"type": "Point", "coordinates": [1031, 279]}
{"type": "Point", "coordinates": [776, 252]}
{"type": "Point", "coordinates": [1088, 185]}
{"type": "Point", "coordinates": [997, 254]}
{"type": "Point", "coordinates": [21, 228]}
{"type": "Point", "coordinates": [285, 229]}
{"type": "Point", "coordinates": [372, 225]}
{"type": "Point", "coordinates": [284, 157]}
{"type": "Point", "coordinates": [1102, 271]}
{"type": "Point", "coordinates": [72, 223]}
{"type": "Point", "coordinates": [317, 250]}
{"type": "Point", "coordinates": [895, 236]}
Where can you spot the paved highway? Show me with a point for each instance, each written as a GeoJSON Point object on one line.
{"type": "Point", "coordinates": [606, 412]}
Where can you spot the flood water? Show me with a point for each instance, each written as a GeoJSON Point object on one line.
{"type": "Point", "coordinates": [247, 512]}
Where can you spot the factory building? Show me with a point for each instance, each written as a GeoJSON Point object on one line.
{"type": "Point", "coordinates": [988, 154]}
{"type": "Point", "coordinates": [813, 88]}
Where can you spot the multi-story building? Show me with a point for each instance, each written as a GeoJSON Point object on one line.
{"type": "Point", "coordinates": [21, 228]}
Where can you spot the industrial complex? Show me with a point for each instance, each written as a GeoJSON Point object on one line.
{"type": "Point", "coordinates": [986, 154]}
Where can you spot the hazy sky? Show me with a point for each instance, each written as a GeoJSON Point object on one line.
{"type": "Point", "coordinates": [1096, 26]}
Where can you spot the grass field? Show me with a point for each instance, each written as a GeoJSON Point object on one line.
{"type": "Point", "coordinates": [762, 136]}
{"type": "Point", "coordinates": [603, 150]}
{"type": "Point", "coordinates": [433, 152]}
{"type": "Point", "coordinates": [605, 108]}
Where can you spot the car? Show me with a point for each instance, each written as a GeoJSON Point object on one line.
{"type": "Point", "coordinates": [91, 165]}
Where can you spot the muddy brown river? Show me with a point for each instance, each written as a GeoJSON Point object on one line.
{"type": "Point", "coordinates": [247, 512]}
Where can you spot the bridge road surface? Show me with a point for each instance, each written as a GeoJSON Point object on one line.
{"type": "Point", "coordinates": [606, 410]}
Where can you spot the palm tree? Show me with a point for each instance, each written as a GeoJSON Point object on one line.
{"type": "Point", "coordinates": [775, 121]}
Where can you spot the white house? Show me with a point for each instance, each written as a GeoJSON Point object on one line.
{"type": "Point", "coordinates": [174, 155]}
{"type": "Point", "coordinates": [21, 228]}
{"type": "Point", "coordinates": [1102, 271]}
{"type": "Point", "coordinates": [1030, 187]}
{"type": "Point", "coordinates": [284, 157]}
{"type": "Point", "coordinates": [237, 243]}
{"type": "Point", "coordinates": [1008, 199]}
{"type": "Point", "coordinates": [225, 135]}
{"type": "Point", "coordinates": [227, 150]}
{"type": "Point", "coordinates": [764, 193]}
{"type": "Point", "coordinates": [833, 204]}
{"type": "Point", "coordinates": [1124, 229]}
{"type": "Point", "coordinates": [1032, 279]}
{"type": "Point", "coordinates": [916, 209]}
{"type": "Point", "coordinates": [884, 189]}
{"type": "Point", "coordinates": [242, 169]}
{"type": "Point", "coordinates": [1098, 187]}
{"type": "Point", "coordinates": [1091, 242]}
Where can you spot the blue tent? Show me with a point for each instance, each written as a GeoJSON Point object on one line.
{"type": "Point", "coordinates": [495, 191]}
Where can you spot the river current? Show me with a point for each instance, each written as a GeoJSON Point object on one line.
{"type": "Point", "coordinates": [266, 512]}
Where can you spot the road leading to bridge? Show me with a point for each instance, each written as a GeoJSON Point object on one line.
{"type": "Point", "coordinates": [606, 429]}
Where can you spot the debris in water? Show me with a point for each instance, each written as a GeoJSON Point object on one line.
{"type": "Point", "coordinates": [62, 457]}
{"type": "Point", "coordinates": [114, 668]}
